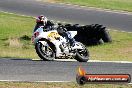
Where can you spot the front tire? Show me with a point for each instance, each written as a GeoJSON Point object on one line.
{"type": "Point", "coordinates": [82, 55]}
{"type": "Point", "coordinates": [45, 52]}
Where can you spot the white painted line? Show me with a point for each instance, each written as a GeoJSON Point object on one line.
{"type": "Point", "coordinates": [115, 61]}
{"type": "Point", "coordinates": [33, 81]}
{"type": "Point", "coordinates": [129, 32]}
{"type": "Point", "coordinates": [108, 29]}
{"type": "Point", "coordinates": [69, 5]}
{"type": "Point", "coordinates": [115, 30]}
{"type": "Point", "coordinates": [34, 59]}
{"type": "Point", "coordinates": [42, 81]}
{"type": "Point", "coordinates": [38, 0]}
{"type": "Point", "coordinates": [54, 81]}
{"type": "Point", "coordinates": [66, 60]}
{"type": "Point", "coordinates": [16, 14]}
{"type": "Point", "coordinates": [30, 16]}
{"type": "Point", "coordinates": [73, 60]}
{"type": "Point", "coordinates": [97, 9]}
{"type": "Point", "coordinates": [119, 31]}
{"type": "Point", "coordinates": [123, 31]}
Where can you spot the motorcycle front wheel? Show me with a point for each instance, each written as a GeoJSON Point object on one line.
{"type": "Point", "coordinates": [45, 52]}
{"type": "Point", "coordinates": [82, 55]}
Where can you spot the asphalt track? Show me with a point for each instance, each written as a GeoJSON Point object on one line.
{"type": "Point", "coordinates": [40, 71]}
{"type": "Point", "coordinates": [28, 70]}
{"type": "Point", "coordinates": [68, 13]}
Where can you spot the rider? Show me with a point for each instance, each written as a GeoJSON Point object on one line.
{"type": "Point", "coordinates": [63, 32]}
{"type": "Point", "coordinates": [42, 21]}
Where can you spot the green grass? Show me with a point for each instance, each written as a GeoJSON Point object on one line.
{"type": "Point", "coordinates": [13, 29]}
{"type": "Point", "coordinates": [16, 31]}
{"type": "Point", "coordinates": [125, 5]}
{"type": "Point", "coordinates": [59, 85]}
{"type": "Point", "coordinates": [120, 49]}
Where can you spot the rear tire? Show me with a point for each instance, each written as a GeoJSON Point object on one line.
{"type": "Point", "coordinates": [44, 52]}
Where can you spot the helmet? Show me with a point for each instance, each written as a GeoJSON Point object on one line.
{"type": "Point", "coordinates": [41, 19]}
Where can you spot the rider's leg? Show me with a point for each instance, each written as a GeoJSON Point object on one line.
{"type": "Point", "coordinates": [71, 40]}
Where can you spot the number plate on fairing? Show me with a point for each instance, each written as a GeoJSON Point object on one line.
{"type": "Point", "coordinates": [53, 36]}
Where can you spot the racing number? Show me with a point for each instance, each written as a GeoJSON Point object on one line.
{"type": "Point", "coordinates": [53, 36]}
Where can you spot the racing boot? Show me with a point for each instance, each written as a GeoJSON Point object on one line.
{"type": "Point", "coordinates": [72, 43]}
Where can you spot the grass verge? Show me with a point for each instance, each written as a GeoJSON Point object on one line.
{"type": "Point", "coordinates": [15, 36]}
{"type": "Point", "coordinates": [59, 85]}
{"type": "Point", "coordinates": [120, 49]}
{"type": "Point", "coordinates": [16, 31]}
{"type": "Point", "coordinates": [125, 5]}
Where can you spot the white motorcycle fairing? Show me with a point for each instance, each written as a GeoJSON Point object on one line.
{"type": "Point", "coordinates": [62, 47]}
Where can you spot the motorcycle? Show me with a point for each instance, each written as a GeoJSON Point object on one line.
{"type": "Point", "coordinates": [50, 45]}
